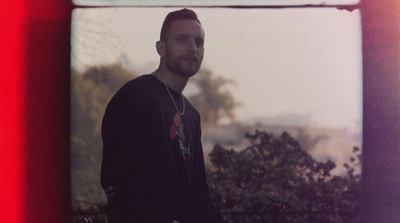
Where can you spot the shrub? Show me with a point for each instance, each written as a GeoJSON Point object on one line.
{"type": "Point", "coordinates": [275, 180]}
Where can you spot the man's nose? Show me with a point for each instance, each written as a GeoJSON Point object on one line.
{"type": "Point", "coordinates": [191, 46]}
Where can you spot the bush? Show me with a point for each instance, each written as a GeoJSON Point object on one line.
{"type": "Point", "coordinates": [275, 180]}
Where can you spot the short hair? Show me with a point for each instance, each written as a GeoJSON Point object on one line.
{"type": "Point", "coordinates": [183, 14]}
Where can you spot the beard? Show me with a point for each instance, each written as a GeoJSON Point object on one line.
{"type": "Point", "coordinates": [176, 64]}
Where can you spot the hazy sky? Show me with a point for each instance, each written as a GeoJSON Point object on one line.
{"type": "Point", "coordinates": [286, 61]}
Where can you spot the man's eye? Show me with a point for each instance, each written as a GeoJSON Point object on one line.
{"type": "Point", "coordinates": [199, 42]}
{"type": "Point", "coordinates": [182, 39]}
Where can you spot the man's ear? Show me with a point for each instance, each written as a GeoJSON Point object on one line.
{"type": "Point", "coordinates": [160, 45]}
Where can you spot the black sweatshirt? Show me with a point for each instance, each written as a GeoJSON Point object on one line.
{"type": "Point", "coordinates": [153, 165]}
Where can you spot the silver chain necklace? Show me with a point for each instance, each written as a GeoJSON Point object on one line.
{"type": "Point", "coordinates": [172, 98]}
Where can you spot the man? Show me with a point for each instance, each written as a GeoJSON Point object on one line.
{"type": "Point", "coordinates": [153, 165]}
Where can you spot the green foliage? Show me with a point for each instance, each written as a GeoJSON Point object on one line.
{"type": "Point", "coordinates": [90, 93]}
{"type": "Point", "coordinates": [213, 102]}
{"type": "Point", "coordinates": [275, 180]}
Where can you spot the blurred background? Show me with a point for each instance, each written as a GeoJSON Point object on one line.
{"type": "Point", "coordinates": [295, 75]}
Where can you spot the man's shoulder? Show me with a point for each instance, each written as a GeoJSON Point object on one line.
{"type": "Point", "coordinates": [138, 89]}
{"type": "Point", "coordinates": [140, 82]}
{"type": "Point", "coordinates": [138, 85]}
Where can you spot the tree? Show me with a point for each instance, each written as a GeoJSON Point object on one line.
{"type": "Point", "coordinates": [274, 180]}
{"type": "Point", "coordinates": [91, 90]}
{"type": "Point", "coordinates": [213, 102]}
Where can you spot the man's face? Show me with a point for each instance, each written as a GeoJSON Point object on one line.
{"type": "Point", "coordinates": [184, 47]}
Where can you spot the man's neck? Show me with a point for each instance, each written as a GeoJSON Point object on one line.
{"type": "Point", "coordinates": [174, 81]}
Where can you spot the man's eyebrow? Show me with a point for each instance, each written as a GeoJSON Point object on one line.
{"type": "Point", "coordinates": [197, 35]}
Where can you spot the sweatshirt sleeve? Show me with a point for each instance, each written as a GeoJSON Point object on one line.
{"type": "Point", "coordinates": [125, 130]}
{"type": "Point", "coordinates": [122, 150]}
